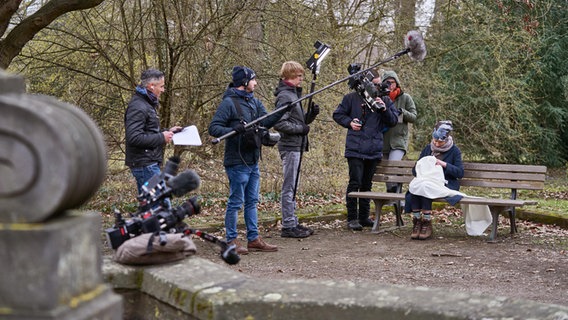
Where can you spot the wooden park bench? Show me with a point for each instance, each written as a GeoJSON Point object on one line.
{"type": "Point", "coordinates": [482, 175]}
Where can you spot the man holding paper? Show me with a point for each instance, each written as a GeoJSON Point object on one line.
{"type": "Point", "coordinates": [144, 141]}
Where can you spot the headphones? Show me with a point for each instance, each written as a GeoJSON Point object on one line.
{"type": "Point", "coordinates": [246, 81]}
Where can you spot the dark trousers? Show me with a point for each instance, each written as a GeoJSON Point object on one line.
{"type": "Point", "coordinates": [361, 173]}
{"type": "Point", "coordinates": [418, 203]}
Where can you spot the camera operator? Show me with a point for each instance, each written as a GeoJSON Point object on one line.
{"type": "Point", "coordinates": [241, 158]}
{"type": "Point", "coordinates": [144, 141]}
{"type": "Point", "coordinates": [363, 146]}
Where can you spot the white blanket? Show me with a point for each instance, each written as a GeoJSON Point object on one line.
{"type": "Point", "coordinates": [430, 183]}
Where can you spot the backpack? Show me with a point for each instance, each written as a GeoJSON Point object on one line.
{"type": "Point", "coordinates": [155, 248]}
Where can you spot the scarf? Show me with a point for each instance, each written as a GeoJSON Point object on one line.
{"type": "Point", "coordinates": [438, 151]}
{"type": "Point", "coordinates": [244, 94]}
{"type": "Point", "coordinates": [151, 96]}
{"type": "Point", "coordinates": [395, 93]}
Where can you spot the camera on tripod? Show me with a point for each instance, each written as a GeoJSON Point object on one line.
{"type": "Point", "coordinates": [155, 212]}
{"type": "Point", "coordinates": [362, 82]}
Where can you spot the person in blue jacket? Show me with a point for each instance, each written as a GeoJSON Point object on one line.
{"type": "Point", "coordinates": [239, 107]}
{"type": "Point", "coordinates": [449, 157]}
{"type": "Point", "coordinates": [363, 147]}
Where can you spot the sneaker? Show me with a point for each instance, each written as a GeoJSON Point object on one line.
{"type": "Point", "coordinates": [425, 230]}
{"type": "Point", "coordinates": [367, 223]}
{"type": "Point", "coordinates": [354, 225]}
{"type": "Point", "coordinates": [416, 226]}
{"type": "Point", "coordinates": [294, 233]}
{"type": "Point", "coordinates": [302, 227]}
{"type": "Point", "coordinates": [240, 249]}
{"type": "Point", "coordinates": [259, 245]}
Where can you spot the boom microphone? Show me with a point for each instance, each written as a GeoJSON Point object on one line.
{"type": "Point", "coordinates": [184, 182]}
{"type": "Point", "coordinates": [415, 45]}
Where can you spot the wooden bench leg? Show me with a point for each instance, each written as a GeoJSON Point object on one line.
{"type": "Point", "coordinates": [512, 220]}
{"type": "Point", "coordinates": [379, 203]}
{"type": "Point", "coordinates": [495, 210]}
{"type": "Point", "coordinates": [398, 212]}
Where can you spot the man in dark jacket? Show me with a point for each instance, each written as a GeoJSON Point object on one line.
{"type": "Point", "coordinates": [293, 126]}
{"type": "Point", "coordinates": [363, 147]}
{"type": "Point", "coordinates": [144, 141]}
{"type": "Point", "coordinates": [239, 107]}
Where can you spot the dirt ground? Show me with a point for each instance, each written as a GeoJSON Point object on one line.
{"type": "Point", "coordinates": [532, 264]}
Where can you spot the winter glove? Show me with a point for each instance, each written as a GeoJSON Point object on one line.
{"type": "Point", "coordinates": [315, 109]}
{"type": "Point", "coordinates": [239, 127]}
{"type": "Point", "coordinates": [312, 113]}
{"type": "Point", "coordinates": [305, 129]}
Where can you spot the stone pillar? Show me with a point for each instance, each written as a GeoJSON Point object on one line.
{"type": "Point", "coordinates": [52, 159]}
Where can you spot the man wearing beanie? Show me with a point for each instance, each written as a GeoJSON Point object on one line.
{"type": "Point", "coordinates": [239, 107]}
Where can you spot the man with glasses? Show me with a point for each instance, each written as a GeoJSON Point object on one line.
{"type": "Point", "coordinates": [293, 128]}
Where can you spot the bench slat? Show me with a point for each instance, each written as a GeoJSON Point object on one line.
{"type": "Point", "coordinates": [503, 175]}
{"type": "Point", "coordinates": [529, 185]}
{"type": "Point", "coordinates": [504, 167]}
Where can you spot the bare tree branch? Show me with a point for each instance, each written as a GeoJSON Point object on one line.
{"type": "Point", "coordinates": [12, 45]}
{"type": "Point", "coordinates": [7, 9]}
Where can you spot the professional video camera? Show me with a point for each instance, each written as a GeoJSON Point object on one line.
{"type": "Point", "coordinates": [156, 215]}
{"type": "Point", "coordinates": [362, 82]}
{"type": "Point", "coordinates": [154, 220]}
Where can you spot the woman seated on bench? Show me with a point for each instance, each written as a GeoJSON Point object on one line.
{"type": "Point", "coordinates": [448, 156]}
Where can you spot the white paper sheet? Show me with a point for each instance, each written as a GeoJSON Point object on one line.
{"type": "Point", "coordinates": [187, 137]}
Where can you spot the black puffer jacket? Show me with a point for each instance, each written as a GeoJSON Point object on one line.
{"type": "Point", "coordinates": [366, 143]}
{"type": "Point", "coordinates": [144, 141]}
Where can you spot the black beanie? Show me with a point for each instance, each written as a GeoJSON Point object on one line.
{"type": "Point", "coordinates": [242, 75]}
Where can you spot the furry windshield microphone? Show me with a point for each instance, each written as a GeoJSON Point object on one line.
{"type": "Point", "coordinates": [415, 45]}
{"type": "Point", "coordinates": [184, 182]}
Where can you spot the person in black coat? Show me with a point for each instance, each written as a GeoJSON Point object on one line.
{"type": "Point", "coordinates": [144, 140]}
{"type": "Point", "coordinates": [363, 147]}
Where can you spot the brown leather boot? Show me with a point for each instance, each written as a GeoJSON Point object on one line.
{"type": "Point", "coordinates": [240, 249]}
{"type": "Point", "coordinates": [416, 226]}
{"type": "Point", "coordinates": [425, 230]}
{"type": "Point", "coordinates": [259, 245]}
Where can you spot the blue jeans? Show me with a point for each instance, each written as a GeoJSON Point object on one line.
{"type": "Point", "coordinates": [143, 174]}
{"type": "Point", "coordinates": [244, 184]}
